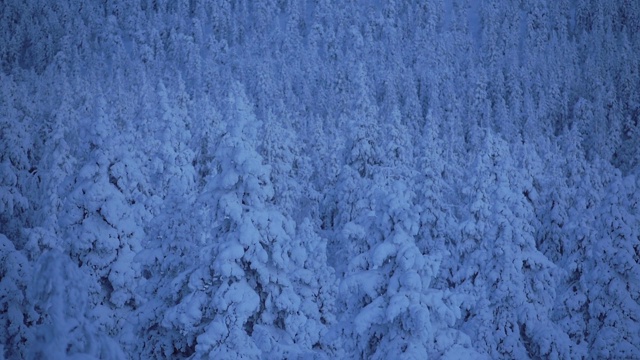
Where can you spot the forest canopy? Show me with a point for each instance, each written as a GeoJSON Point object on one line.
{"type": "Point", "coordinates": [444, 179]}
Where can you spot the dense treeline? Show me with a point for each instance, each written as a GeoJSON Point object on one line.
{"type": "Point", "coordinates": [320, 179]}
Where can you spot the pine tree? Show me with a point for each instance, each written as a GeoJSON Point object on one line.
{"type": "Point", "coordinates": [16, 160]}
{"type": "Point", "coordinates": [522, 277]}
{"type": "Point", "coordinates": [15, 302]}
{"type": "Point", "coordinates": [103, 223]}
{"type": "Point", "coordinates": [389, 306]}
{"type": "Point", "coordinates": [64, 328]}
{"type": "Point", "coordinates": [613, 293]}
{"type": "Point", "coordinates": [246, 259]}
{"type": "Point", "coordinates": [510, 281]}
{"type": "Point", "coordinates": [363, 152]}
{"type": "Point", "coordinates": [173, 311]}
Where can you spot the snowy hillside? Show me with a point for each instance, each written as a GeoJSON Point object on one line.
{"type": "Point", "coordinates": [453, 179]}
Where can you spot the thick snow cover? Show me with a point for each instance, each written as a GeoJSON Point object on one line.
{"type": "Point", "coordinates": [320, 179]}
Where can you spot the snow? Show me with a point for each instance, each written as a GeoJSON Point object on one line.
{"type": "Point", "coordinates": [438, 179]}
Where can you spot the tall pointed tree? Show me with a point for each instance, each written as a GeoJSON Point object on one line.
{"type": "Point", "coordinates": [390, 308]}
{"type": "Point", "coordinates": [65, 328]}
{"type": "Point", "coordinates": [614, 274]}
{"type": "Point", "coordinates": [246, 260]}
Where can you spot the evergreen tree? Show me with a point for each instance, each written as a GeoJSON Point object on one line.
{"type": "Point", "coordinates": [247, 257]}
{"type": "Point", "coordinates": [64, 327]}
{"type": "Point", "coordinates": [511, 283]}
{"type": "Point", "coordinates": [174, 310]}
{"type": "Point", "coordinates": [16, 160]}
{"type": "Point", "coordinates": [613, 294]}
{"type": "Point", "coordinates": [390, 308]}
{"type": "Point", "coordinates": [15, 301]}
{"type": "Point", "coordinates": [103, 225]}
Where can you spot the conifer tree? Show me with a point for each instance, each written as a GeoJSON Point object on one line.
{"type": "Point", "coordinates": [613, 293]}
{"type": "Point", "coordinates": [246, 260]}
{"type": "Point", "coordinates": [16, 271]}
{"type": "Point", "coordinates": [103, 224]}
{"type": "Point", "coordinates": [390, 307]}
{"type": "Point", "coordinates": [64, 326]}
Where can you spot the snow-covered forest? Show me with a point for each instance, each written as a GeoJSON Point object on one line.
{"type": "Point", "coordinates": [320, 179]}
